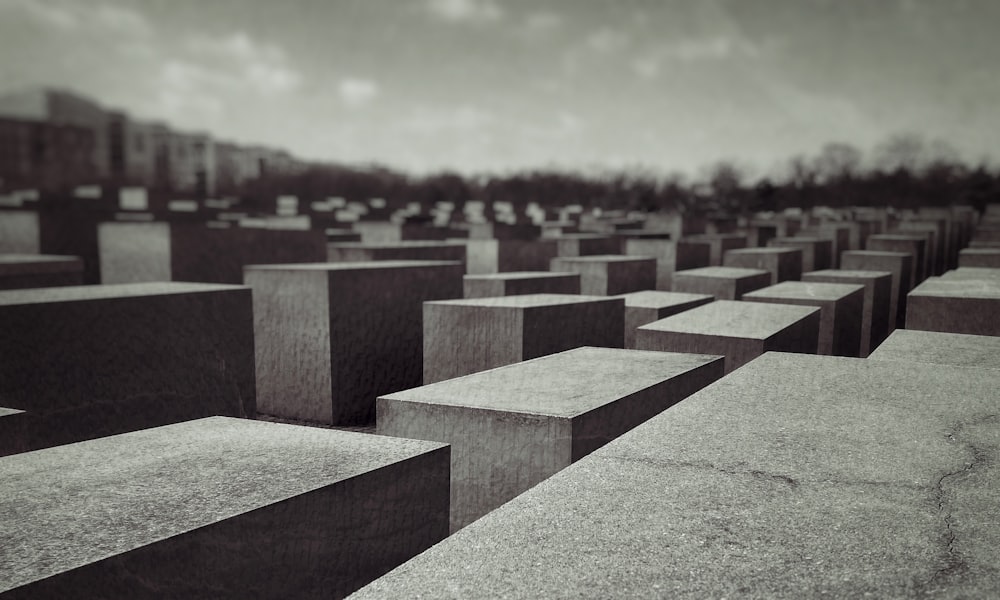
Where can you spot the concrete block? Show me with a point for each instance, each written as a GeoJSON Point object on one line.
{"type": "Point", "coordinates": [218, 508]}
{"type": "Point", "coordinates": [20, 271]}
{"type": "Point", "coordinates": [504, 231]}
{"type": "Point", "coordinates": [512, 427]}
{"type": "Point", "coordinates": [520, 283]}
{"type": "Point", "coordinates": [20, 232]}
{"type": "Point", "coordinates": [648, 306]}
{"type": "Point", "coordinates": [385, 232]}
{"type": "Point", "coordinates": [935, 232]}
{"type": "Point", "coordinates": [979, 257]}
{"type": "Point", "coordinates": [955, 306]}
{"type": "Point", "coordinates": [784, 264]}
{"type": "Point", "coordinates": [756, 486]}
{"type": "Point", "coordinates": [740, 331]}
{"type": "Point", "coordinates": [693, 254]}
{"type": "Point", "coordinates": [499, 256]}
{"type": "Point", "coordinates": [331, 337]}
{"type": "Point", "coordinates": [839, 235]}
{"type": "Point", "coordinates": [665, 253]}
{"type": "Point", "coordinates": [718, 244]}
{"type": "Point", "coordinates": [841, 307]}
{"type": "Point", "coordinates": [405, 250]}
{"type": "Point", "coordinates": [141, 252]}
{"type": "Point", "coordinates": [14, 433]}
{"type": "Point", "coordinates": [958, 349]}
{"type": "Point", "coordinates": [610, 274]}
{"type": "Point", "coordinates": [724, 283]}
{"type": "Point", "coordinates": [875, 314]}
{"type": "Point", "coordinates": [914, 245]}
{"type": "Point", "coordinates": [467, 336]}
{"type": "Point", "coordinates": [817, 253]}
{"type": "Point", "coordinates": [91, 361]}
{"type": "Point", "coordinates": [897, 263]}
{"type": "Point", "coordinates": [586, 244]}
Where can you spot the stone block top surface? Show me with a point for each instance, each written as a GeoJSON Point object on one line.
{"type": "Point", "coordinates": [806, 290]}
{"type": "Point", "coordinates": [365, 265]}
{"type": "Point", "coordinates": [723, 272]}
{"type": "Point", "coordinates": [18, 264]}
{"type": "Point", "coordinates": [877, 253]}
{"type": "Point", "coordinates": [603, 258]}
{"type": "Point", "coordinates": [515, 275]}
{"type": "Point", "coordinates": [733, 318]}
{"type": "Point", "coordinates": [6, 412]}
{"type": "Point", "coordinates": [763, 250]}
{"type": "Point", "coordinates": [850, 273]}
{"type": "Point", "coordinates": [523, 301]}
{"type": "Point", "coordinates": [912, 345]}
{"type": "Point", "coordinates": [958, 288]}
{"type": "Point", "coordinates": [795, 476]}
{"type": "Point", "coordinates": [72, 505]}
{"type": "Point", "coordinates": [79, 293]}
{"type": "Point", "coordinates": [967, 273]}
{"type": "Point", "coordinates": [980, 251]}
{"type": "Point", "coordinates": [658, 299]}
{"type": "Point", "coordinates": [565, 384]}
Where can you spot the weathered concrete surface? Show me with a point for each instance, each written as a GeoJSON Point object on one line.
{"type": "Point", "coordinates": [784, 264]}
{"type": "Point", "coordinates": [897, 263]}
{"type": "Point", "coordinates": [586, 244]}
{"type": "Point", "coordinates": [979, 257]}
{"type": "Point", "coordinates": [217, 508]}
{"type": "Point", "coordinates": [14, 434]}
{"type": "Point", "coordinates": [724, 283]}
{"type": "Point", "coordinates": [90, 361]}
{"type": "Point", "coordinates": [498, 256]}
{"type": "Point", "coordinates": [740, 331]}
{"type": "Point", "coordinates": [648, 306]}
{"type": "Point", "coordinates": [609, 274]}
{"type": "Point", "coordinates": [875, 312]}
{"type": "Point", "coordinates": [841, 307]}
{"type": "Point", "coordinates": [20, 271]}
{"type": "Point", "coordinates": [817, 253]}
{"type": "Point", "coordinates": [466, 336]}
{"type": "Point", "coordinates": [718, 244]}
{"type": "Point", "coordinates": [520, 283]}
{"type": "Point", "coordinates": [955, 306]}
{"type": "Point", "coordinates": [795, 477]}
{"type": "Point", "coordinates": [914, 245]}
{"type": "Point", "coordinates": [331, 337]}
{"type": "Point", "coordinates": [971, 273]}
{"type": "Point", "coordinates": [910, 345]}
{"type": "Point", "coordinates": [512, 427]}
{"type": "Point", "coordinates": [404, 250]}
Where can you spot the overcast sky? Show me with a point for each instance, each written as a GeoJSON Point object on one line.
{"type": "Point", "coordinates": [491, 85]}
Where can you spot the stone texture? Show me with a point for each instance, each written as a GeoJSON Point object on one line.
{"type": "Point", "coordinates": [784, 264]}
{"type": "Point", "coordinates": [20, 271]}
{"type": "Point", "coordinates": [512, 427]}
{"type": "Point", "coordinates": [875, 313]}
{"type": "Point", "coordinates": [331, 337]}
{"type": "Point", "coordinates": [610, 274]}
{"type": "Point", "coordinates": [839, 235]}
{"type": "Point", "coordinates": [586, 244]}
{"type": "Point", "coordinates": [520, 283]}
{"type": "Point", "coordinates": [140, 252]}
{"type": "Point", "coordinates": [817, 253]}
{"type": "Point", "coordinates": [795, 477]}
{"type": "Point", "coordinates": [740, 331]}
{"type": "Point", "coordinates": [466, 336]}
{"type": "Point", "coordinates": [955, 306]}
{"type": "Point", "coordinates": [934, 233]}
{"type": "Point", "coordinates": [665, 253]}
{"type": "Point", "coordinates": [897, 263]}
{"type": "Point", "coordinates": [648, 306]}
{"type": "Point", "coordinates": [499, 256]}
{"type": "Point", "coordinates": [405, 250]}
{"type": "Point", "coordinates": [718, 244]}
{"type": "Point", "coordinates": [91, 361]}
{"type": "Point", "coordinates": [723, 283]}
{"type": "Point", "coordinates": [914, 245]}
{"type": "Point", "coordinates": [979, 257]}
{"type": "Point", "coordinates": [385, 232]}
{"type": "Point", "coordinates": [958, 349]}
{"type": "Point", "coordinates": [841, 306]}
{"type": "Point", "coordinates": [14, 434]}
{"type": "Point", "coordinates": [218, 508]}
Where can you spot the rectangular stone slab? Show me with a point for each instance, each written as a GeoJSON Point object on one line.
{"type": "Point", "coordinates": [586, 244]}
{"type": "Point", "coordinates": [520, 283]}
{"type": "Point", "coordinates": [466, 336]}
{"type": "Point", "coordinates": [14, 434]}
{"type": "Point", "coordinates": [724, 283]}
{"type": "Point", "coordinates": [875, 314]}
{"type": "Point", "coordinates": [665, 253]}
{"type": "Point", "coordinates": [757, 486]}
{"type": "Point", "coordinates": [90, 361]}
{"type": "Point", "coordinates": [784, 264]}
{"type": "Point", "coordinates": [897, 263]}
{"type": "Point", "coordinates": [218, 508]}
{"type": "Point", "coordinates": [648, 306]}
{"type": "Point", "coordinates": [817, 253]}
{"type": "Point", "coordinates": [512, 427]}
{"type": "Point", "coordinates": [609, 274]}
{"type": "Point", "coordinates": [740, 331]}
{"type": "Point", "coordinates": [955, 306]}
{"type": "Point", "coordinates": [959, 349]}
{"type": "Point", "coordinates": [20, 271]}
{"type": "Point", "coordinates": [914, 245]}
{"type": "Point", "coordinates": [979, 257]}
{"type": "Point", "coordinates": [331, 337]}
{"type": "Point", "coordinates": [498, 256]}
{"type": "Point", "coordinates": [404, 250]}
{"type": "Point", "coordinates": [841, 308]}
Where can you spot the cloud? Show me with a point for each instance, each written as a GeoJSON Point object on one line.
{"type": "Point", "coordinates": [244, 62]}
{"type": "Point", "coordinates": [691, 50]}
{"type": "Point", "coordinates": [542, 22]}
{"type": "Point", "coordinates": [465, 11]}
{"type": "Point", "coordinates": [357, 92]}
{"type": "Point", "coordinates": [100, 19]}
{"type": "Point", "coordinates": [607, 41]}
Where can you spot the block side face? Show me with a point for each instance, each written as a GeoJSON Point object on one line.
{"type": "Point", "coordinates": [482, 256]}
{"type": "Point", "coordinates": [826, 320]}
{"type": "Point", "coordinates": [20, 232]}
{"type": "Point", "coordinates": [718, 287]}
{"type": "Point", "coordinates": [377, 333]}
{"type": "Point", "coordinates": [632, 276]}
{"type": "Point", "coordinates": [95, 368]}
{"type": "Point", "coordinates": [737, 351]}
{"type": "Point", "coordinates": [135, 252]}
{"type": "Point", "coordinates": [557, 284]}
{"type": "Point", "coordinates": [599, 426]}
{"type": "Point", "coordinates": [526, 255]}
{"type": "Point", "coordinates": [950, 314]}
{"type": "Point", "coordinates": [14, 432]}
{"type": "Point", "coordinates": [800, 337]}
{"type": "Point", "coordinates": [552, 329]}
{"type": "Point", "coordinates": [459, 340]}
{"type": "Point", "coordinates": [293, 341]}
{"type": "Point", "coordinates": [483, 288]}
{"type": "Point", "coordinates": [495, 456]}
